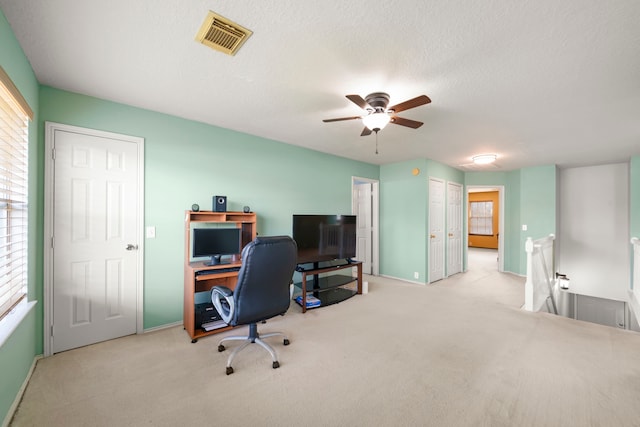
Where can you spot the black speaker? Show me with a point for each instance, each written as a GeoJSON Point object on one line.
{"type": "Point", "coordinates": [219, 203]}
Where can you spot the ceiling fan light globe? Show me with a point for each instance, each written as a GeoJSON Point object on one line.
{"type": "Point", "coordinates": [376, 121]}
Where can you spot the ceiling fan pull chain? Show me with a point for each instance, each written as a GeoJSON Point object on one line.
{"type": "Point", "coordinates": [376, 142]}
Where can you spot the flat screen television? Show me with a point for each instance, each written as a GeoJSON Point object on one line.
{"type": "Point", "coordinates": [216, 243]}
{"type": "Point", "coordinates": [324, 237]}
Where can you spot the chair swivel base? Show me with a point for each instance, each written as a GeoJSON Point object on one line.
{"type": "Point", "coordinates": [256, 338]}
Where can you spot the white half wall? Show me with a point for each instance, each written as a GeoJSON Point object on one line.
{"type": "Point", "coordinates": [593, 234]}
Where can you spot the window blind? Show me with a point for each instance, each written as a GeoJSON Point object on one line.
{"type": "Point", "coordinates": [14, 129]}
{"type": "Point", "coordinates": [481, 221]}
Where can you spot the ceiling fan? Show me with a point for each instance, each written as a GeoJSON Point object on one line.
{"type": "Point", "coordinates": [378, 115]}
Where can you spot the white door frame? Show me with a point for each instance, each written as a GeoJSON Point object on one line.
{"type": "Point", "coordinates": [443, 214]}
{"type": "Point", "coordinates": [500, 190]}
{"type": "Point", "coordinates": [448, 225]}
{"type": "Point", "coordinates": [49, 169]}
{"type": "Point", "coordinates": [375, 215]}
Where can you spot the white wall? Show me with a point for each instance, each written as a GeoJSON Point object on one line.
{"type": "Point", "coordinates": [593, 235]}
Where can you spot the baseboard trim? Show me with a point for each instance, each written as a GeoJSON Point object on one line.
{"type": "Point", "coordinates": [403, 280]}
{"type": "Point", "coordinates": [16, 402]}
{"type": "Point", "coordinates": [161, 327]}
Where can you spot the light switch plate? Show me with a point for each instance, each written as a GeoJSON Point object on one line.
{"type": "Point", "coordinates": [151, 232]}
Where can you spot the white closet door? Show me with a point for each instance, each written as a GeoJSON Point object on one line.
{"type": "Point", "coordinates": [454, 228]}
{"type": "Point", "coordinates": [436, 229]}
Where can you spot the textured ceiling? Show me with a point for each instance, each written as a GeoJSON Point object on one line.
{"type": "Point", "coordinates": [537, 82]}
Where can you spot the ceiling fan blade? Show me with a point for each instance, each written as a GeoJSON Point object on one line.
{"type": "Point", "coordinates": [406, 122]}
{"type": "Point", "coordinates": [412, 103]}
{"type": "Point", "coordinates": [341, 119]}
{"type": "Point", "coordinates": [357, 99]}
{"type": "Point", "coordinates": [366, 131]}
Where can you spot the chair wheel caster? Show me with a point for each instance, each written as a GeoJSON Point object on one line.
{"type": "Point", "coordinates": [276, 364]}
{"type": "Point", "coordinates": [229, 370]}
{"type": "Point", "coordinates": [221, 348]}
{"type": "Point", "coordinates": [286, 342]}
{"type": "Point", "coordinates": [193, 341]}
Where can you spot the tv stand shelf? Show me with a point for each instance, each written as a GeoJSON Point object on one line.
{"type": "Point", "coordinates": [329, 289]}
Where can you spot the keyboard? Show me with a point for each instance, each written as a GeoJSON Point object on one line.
{"type": "Point", "coordinates": [217, 271]}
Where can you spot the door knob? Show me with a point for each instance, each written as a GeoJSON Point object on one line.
{"type": "Point", "coordinates": [131, 247]}
{"type": "Point", "coordinates": [433, 236]}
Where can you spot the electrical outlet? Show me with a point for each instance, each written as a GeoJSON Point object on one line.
{"type": "Point", "coordinates": [151, 232]}
{"type": "Point", "coordinates": [416, 275]}
{"type": "Point", "coordinates": [524, 227]}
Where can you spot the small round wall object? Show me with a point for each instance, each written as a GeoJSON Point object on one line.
{"type": "Point", "coordinates": [195, 207]}
{"type": "Point", "coordinates": [415, 172]}
{"type": "Point", "coordinates": [246, 209]}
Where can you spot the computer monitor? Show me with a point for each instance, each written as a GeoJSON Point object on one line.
{"type": "Point", "coordinates": [216, 243]}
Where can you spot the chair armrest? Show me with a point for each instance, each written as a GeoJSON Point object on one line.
{"type": "Point", "coordinates": [226, 292]}
{"type": "Point", "coordinates": [223, 301]}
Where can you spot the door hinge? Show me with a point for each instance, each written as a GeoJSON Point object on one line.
{"type": "Point", "coordinates": [53, 153]}
{"type": "Point", "coordinates": [51, 330]}
{"type": "Point", "coordinates": [53, 243]}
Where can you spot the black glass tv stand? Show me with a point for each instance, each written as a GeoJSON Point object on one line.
{"type": "Point", "coordinates": [329, 288]}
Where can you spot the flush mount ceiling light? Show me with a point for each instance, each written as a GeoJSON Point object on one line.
{"type": "Point", "coordinates": [484, 159]}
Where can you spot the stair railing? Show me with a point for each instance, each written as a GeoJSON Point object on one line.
{"type": "Point", "coordinates": [539, 287]}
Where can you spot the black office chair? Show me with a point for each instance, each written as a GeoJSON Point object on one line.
{"type": "Point", "coordinates": [261, 292]}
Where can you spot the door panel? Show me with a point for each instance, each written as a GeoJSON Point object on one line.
{"type": "Point", "coordinates": [436, 229]}
{"type": "Point", "coordinates": [454, 228]}
{"type": "Point", "coordinates": [95, 217]}
{"type": "Point", "coordinates": [363, 202]}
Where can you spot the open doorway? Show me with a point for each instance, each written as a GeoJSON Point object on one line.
{"type": "Point", "coordinates": [485, 228]}
{"type": "Point", "coordinates": [364, 204]}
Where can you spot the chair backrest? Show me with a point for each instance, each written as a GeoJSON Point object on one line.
{"type": "Point", "coordinates": [262, 289]}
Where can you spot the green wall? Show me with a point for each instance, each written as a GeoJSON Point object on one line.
{"type": "Point", "coordinates": [404, 201]}
{"type": "Point", "coordinates": [530, 198]}
{"type": "Point", "coordinates": [18, 352]}
{"type": "Point", "coordinates": [403, 213]}
{"type": "Point", "coordinates": [188, 162]}
{"type": "Point", "coordinates": [538, 209]}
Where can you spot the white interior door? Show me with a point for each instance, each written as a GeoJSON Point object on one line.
{"type": "Point", "coordinates": [454, 228]}
{"type": "Point", "coordinates": [436, 229]}
{"type": "Point", "coordinates": [96, 222]}
{"type": "Point", "coordinates": [362, 196]}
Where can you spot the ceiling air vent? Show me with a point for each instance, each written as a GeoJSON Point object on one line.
{"type": "Point", "coordinates": [221, 34]}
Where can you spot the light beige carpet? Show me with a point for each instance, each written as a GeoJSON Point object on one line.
{"type": "Point", "coordinates": [460, 352]}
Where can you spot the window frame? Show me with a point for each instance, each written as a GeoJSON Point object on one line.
{"type": "Point", "coordinates": [483, 224]}
{"type": "Point", "coordinates": [16, 308]}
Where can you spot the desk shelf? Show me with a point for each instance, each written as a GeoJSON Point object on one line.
{"type": "Point", "coordinates": [194, 283]}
